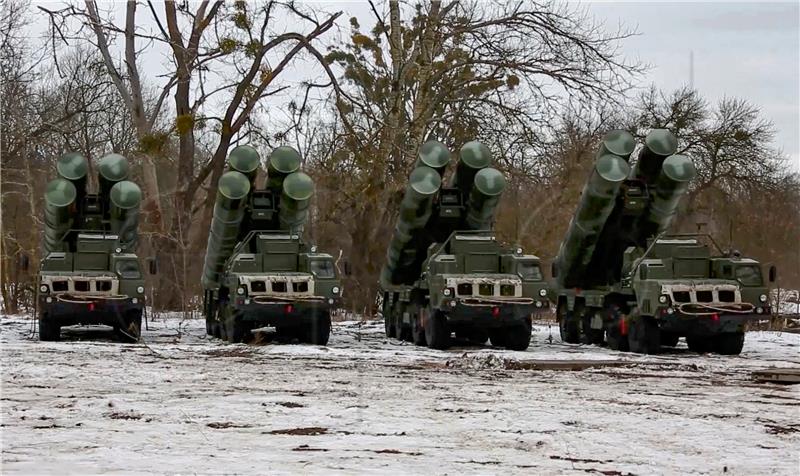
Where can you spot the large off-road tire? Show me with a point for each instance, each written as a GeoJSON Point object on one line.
{"type": "Point", "coordinates": [388, 320]}
{"type": "Point", "coordinates": [319, 329]}
{"type": "Point", "coordinates": [131, 329]}
{"type": "Point", "coordinates": [729, 343]}
{"type": "Point", "coordinates": [700, 343]}
{"type": "Point", "coordinates": [616, 329]}
{"type": "Point", "coordinates": [669, 339]}
{"type": "Point", "coordinates": [437, 330]}
{"type": "Point", "coordinates": [417, 331]}
{"type": "Point", "coordinates": [49, 330]}
{"type": "Point", "coordinates": [236, 330]}
{"type": "Point", "coordinates": [644, 335]}
{"type": "Point", "coordinates": [567, 325]}
{"type": "Point", "coordinates": [518, 336]}
{"type": "Point", "coordinates": [403, 331]}
{"type": "Point", "coordinates": [497, 336]}
{"type": "Point", "coordinates": [587, 334]}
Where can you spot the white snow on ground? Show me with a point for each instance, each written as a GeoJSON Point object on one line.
{"type": "Point", "coordinates": [184, 403]}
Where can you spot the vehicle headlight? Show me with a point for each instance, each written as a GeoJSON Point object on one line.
{"type": "Point", "coordinates": [140, 290]}
{"type": "Point", "coordinates": [335, 290]}
{"type": "Point", "coordinates": [447, 291]}
{"type": "Point", "coordinates": [49, 299]}
{"type": "Point", "coordinates": [538, 304]}
{"type": "Point", "coordinates": [453, 304]}
{"type": "Point", "coordinates": [663, 299]}
{"type": "Point", "coordinates": [134, 300]}
{"type": "Point", "coordinates": [762, 298]}
{"type": "Point", "coordinates": [670, 310]}
{"type": "Point", "coordinates": [330, 300]}
{"type": "Point", "coordinates": [43, 288]}
{"type": "Point", "coordinates": [519, 251]}
{"type": "Point", "coordinates": [543, 292]}
{"type": "Point", "coordinates": [240, 291]}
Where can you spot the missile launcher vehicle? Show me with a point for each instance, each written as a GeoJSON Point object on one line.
{"type": "Point", "coordinates": [90, 273]}
{"type": "Point", "coordinates": [620, 278]}
{"type": "Point", "coordinates": [258, 270]}
{"type": "Point", "coordinates": [445, 271]}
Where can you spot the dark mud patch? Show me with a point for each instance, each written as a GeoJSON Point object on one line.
{"type": "Point", "coordinates": [308, 431]}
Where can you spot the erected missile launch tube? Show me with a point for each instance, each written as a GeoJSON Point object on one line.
{"type": "Point", "coordinates": [472, 158]}
{"type": "Point", "coordinates": [617, 142]}
{"type": "Point", "coordinates": [415, 210]}
{"type": "Point", "coordinates": [124, 200]}
{"type": "Point", "coordinates": [245, 160]}
{"type": "Point", "coordinates": [295, 199]}
{"type": "Point", "coordinates": [596, 203]}
{"type": "Point", "coordinates": [658, 145]}
{"type": "Point", "coordinates": [488, 185]}
{"type": "Point", "coordinates": [59, 198]}
{"type": "Point", "coordinates": [677, 172]}
{"type": "Point", "coordinates": [74, 167]}
{"type": "Point", "coordinates": [435, 155]}
{"type": "Point", "coordinates": [232, 192]}
{"type": "Point", "coordinates": [111, 169]}
{"type": "Point", "coordinates": [282, 161]}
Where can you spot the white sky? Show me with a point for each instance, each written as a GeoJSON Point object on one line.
{"type": "Point", "coordinates": [747, 50]}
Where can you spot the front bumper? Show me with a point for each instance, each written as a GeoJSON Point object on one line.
{"type": "Point", "coordinates": [279, 313]}
{"type": "Point", "coordinates": [489, 314]}
{"type": "Point", "coordinates": [708, 324]}
{"type": "Point", "coordinates": [69, 312]}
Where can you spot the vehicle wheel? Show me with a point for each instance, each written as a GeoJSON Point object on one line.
{"type": "Point", "coordinates": [388, 322]}
{"type": "Point", "coordinates": [518, 336]}
{"type": "Point", "coordinates": [478, 336]}
{"type": "Point", "coordinates": [236, 330]}
{"type": "Point", "coordinates": [401, 330]}
{"type": "Point", "coordinates": [729, 343]}
{"type": "Point", "coordinates": [132, 329]}
{"type": "Point", "coordinates": [567, 326]}
{"type": "Point", "coordinates": [437, 331]}
{"type": "Point", "coordinates": [48, 330]}
{"type": "Point", "coordinates": [497, 336]}
{"type": "Point", "coordinates": [417, 331]}
{"type": "Point", "coordinates": [216, 330]}
{"type": "Point", "coordinates": [319, 330]}
{"type": "Point", "coordinates": [587, 334]}
{"type": "Point", "coordinates": [643, 335]}
{"type": "Point", "coordinates": [700, 343]}
{"type": "Point", "coordinates": [669, 339]}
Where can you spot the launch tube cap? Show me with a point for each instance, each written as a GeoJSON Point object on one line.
{"type": "Point", "coordinates": [72, 166]}
{"type": "Point", "coordinates": [113, 167]}
{"type": "Point", "coordinates": [425, 180]}
{"type": "Point", "coordinates": [298, 186]}
{"type": "Point", "coordinates": [490, 182]}
{"type": "Point", "coordinates": [619, 142]}
{"type": "Point", "coordinates": [126, 195]}
{"type": "Point", "coordinates": [612, 168]}
{"type": "Point", "coordinates": [475, 155]}
{"type": "Point", "coordinates": [285, 159]}
{"type": "Point", "coordinates": [234, 185]}
{"type": "Point", "coordinates": [434, 154]}
{"type": "Point", "coordinates": [60, 193]}
{"type": "Point", "coordinates": [661, 142]}
{"type": "Point", "coordinates": [244, 159]}
{"type": "Point", "coordinates": [679, 168]}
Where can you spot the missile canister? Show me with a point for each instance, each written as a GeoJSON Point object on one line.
{"type": "Point", "coordinates": [59, 199]}
{"type": "Point", "coordinates": [488, 185]}
{"type": "Point", "coordinates": [435, 155]}
{"type": "Point", "coordinates": [596, 203]}
{"type": "Point", "coordinates": [677, 172]}
{"type": "Point", "coordinates": [415, 210]}
{"type": "Point", "coordinates": [232, 192]}
{"type": "Point", "coordinates": [617, 142]}
{"type": "Point", "coordinates": [658, 145]}
{"type": "Point", "coordinates": [124, 200]}
{"type": "Point", "coordinates": [472, 158]}
{"type": "Point", "coordinates": [282, 161]}
{"type": "Point", "coordinates": [245, 159]}
{"type": "Point", "coordinates": [111, 169]}
{"type": "Point", "coordinates": [74, 167]}
{"type": "Point", "coordinates": [295, 199]}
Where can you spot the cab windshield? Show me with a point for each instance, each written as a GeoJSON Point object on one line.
{"type": "Point", "coordinates": [529, 270]}
{"type": "Point", "coordinates": [128, 269]}
{"type": "Point", "coordinates": [749, 275]}
{"type": "Point", "coordinates": [322, 269]}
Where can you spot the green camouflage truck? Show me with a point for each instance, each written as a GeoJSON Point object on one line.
{"type": "Point", "coordinates": [90, 273]}
{"type": "Point", "coordinates": [620, 278]}
{"type": "Point", "coordinates": [258, 270]}
{"type": "Point", "coordinates": [445, 270]}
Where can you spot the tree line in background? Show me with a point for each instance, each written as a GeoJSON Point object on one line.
{"type": "Point", "coordinates": [173, 86]}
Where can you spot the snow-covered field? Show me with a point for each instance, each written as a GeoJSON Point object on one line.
{"type": "Point", "coordinates": [181, 403]}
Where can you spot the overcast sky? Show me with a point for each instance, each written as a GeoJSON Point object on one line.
{"type": "Point", "coordinates": [747, 50]}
